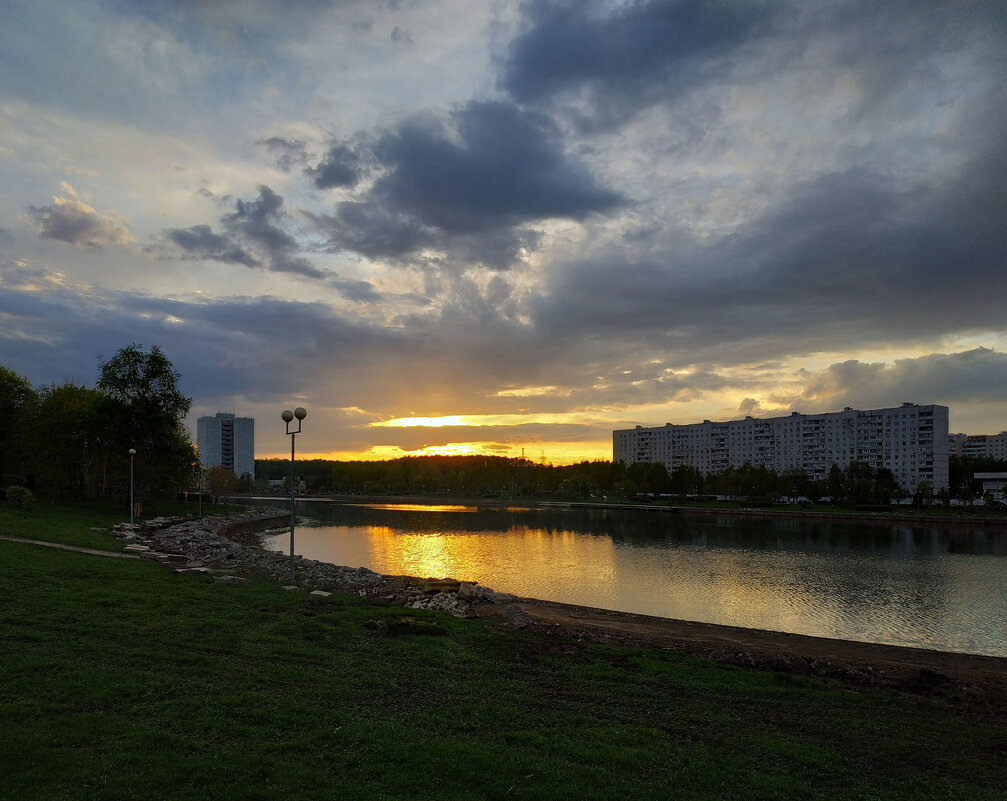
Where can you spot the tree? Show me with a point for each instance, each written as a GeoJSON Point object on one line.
{"type": "Point", "coordinates": [792, 483]}
{"type": "Point", "coordinates": [71, 460]}
{"type": "Point", "coordinates": [18, 403]}
{"type": "Point", "coordinates": [144, 409]}
{"type": "Point", "coordinates": [220, 481]}
{"type": "Point", "coordinates": [859, 483]}
{"type": "Point", "coordinates": [649, 477]}
{"type": "Point", "coordinates": [885, 486]}
{"type": "Point", "coordinates": [835, 483]}
{"type": "Point", "coordinates": [685, 479]}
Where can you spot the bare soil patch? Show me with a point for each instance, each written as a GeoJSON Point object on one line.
{"type": "Point", "coordinates": [962, 678]}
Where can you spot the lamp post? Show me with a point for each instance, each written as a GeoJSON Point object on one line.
{"type": "Point", "coordinates": [132, 453]}
{"type": "Point", "coordinates": [199, 484]}
{"type": "Point", "coordinates": [288, 416]}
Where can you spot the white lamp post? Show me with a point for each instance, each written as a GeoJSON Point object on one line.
{"type": "Point", "coordinates": [288, 416]}
{"type": "Point", "coordinates": [132, 453]}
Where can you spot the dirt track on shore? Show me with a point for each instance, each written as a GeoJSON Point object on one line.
{"type": "Point", "coordinates": [965, 678]}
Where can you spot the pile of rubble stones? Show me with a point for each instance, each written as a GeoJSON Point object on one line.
{"type": "Point", "coordinates": [196, 545]}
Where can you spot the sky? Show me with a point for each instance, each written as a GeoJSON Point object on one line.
{"type": "Point", "coordinates": [507, 228]}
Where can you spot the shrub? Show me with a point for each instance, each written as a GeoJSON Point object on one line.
{"type": "Point", "coordinates": [20, 498]}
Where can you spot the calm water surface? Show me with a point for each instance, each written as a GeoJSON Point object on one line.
{"type": "Point", "coordinates": [931, 587]}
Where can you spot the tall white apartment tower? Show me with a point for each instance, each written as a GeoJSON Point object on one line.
{"type": "Point", "coordinates": [227, 441]}
{"type": "Point", "coordinates": [910, 440]}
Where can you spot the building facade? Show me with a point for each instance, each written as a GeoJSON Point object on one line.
{"type": "Point", "coordinates": [980, 446]}
{"type": "Point", "coordinates": [227, 441]}
{"type": "Point", "coordinates": [910, 440]}
{"type": "Point", "coordinates": [993, 483]}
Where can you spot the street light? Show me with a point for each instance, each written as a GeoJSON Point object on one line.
{"type": "Point", "coordinates": [132, 453]}
{"type": "Point", "coordinates": [288, 416]}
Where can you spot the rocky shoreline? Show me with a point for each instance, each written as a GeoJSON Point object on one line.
{"type": "Point", "coordinates": [228, 546]}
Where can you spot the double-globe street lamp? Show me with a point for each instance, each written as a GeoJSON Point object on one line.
{"type": "Point", "coordinates": [288, 416]}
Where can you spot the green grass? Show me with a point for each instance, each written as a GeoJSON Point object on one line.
{"type": "Point", "coordinates": [123, 680]}
{"type": "Point", "coordinates": [71, 525]}
{"type": "Point", "coordinates": [66, 525]}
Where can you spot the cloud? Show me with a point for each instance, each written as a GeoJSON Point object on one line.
{"type": "Point", "coordinates": [286, 153]}
{"type": "Point", "coordinates": [944, 378]}
{"type": "Point", "coordinates": [71, 220]}
{"type": "Point", "coordinates": [494, 165]}
{"type": "Point", "coordinates": [652, 207]}
{"type": "Point", "coordinates": [340, 168]}
{"type": "Point", "coordinates": [199, 242]}
{"type": "Point", "coordinates": [630, 56]}
{"type": "Point", "coordinates": [469, 184]}
{"type": "Point", "coordinates": [850, 260]}
{"type": "Point", "coordinates": [253, 236]}
{"type": "Point", "coordinates": [259, 222]}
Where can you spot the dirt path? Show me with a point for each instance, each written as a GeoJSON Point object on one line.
{"type": "Point", "coordinates": [967, 678]}
{"type": "Point", "coordinates": [77, 548]}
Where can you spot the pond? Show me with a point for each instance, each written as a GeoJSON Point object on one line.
{"type": "Point", "coordinates": [938, 587]}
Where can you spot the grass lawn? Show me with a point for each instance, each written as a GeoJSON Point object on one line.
{"type": "Point", "coordinates": [121, 679]}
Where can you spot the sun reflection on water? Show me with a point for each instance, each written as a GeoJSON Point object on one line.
{"type": "Point", "coordinates": [416, 507]}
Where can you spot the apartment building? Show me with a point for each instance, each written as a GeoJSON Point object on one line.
{"type": "Point", "coordinates": [910, 440]}
{"type": "Point", "coordinates": [227, 441]}
{"type": "Point", "coordinates": [980, 446]}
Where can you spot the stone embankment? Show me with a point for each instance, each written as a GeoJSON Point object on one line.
{"type": "Point", "coordinates": [229, 546]}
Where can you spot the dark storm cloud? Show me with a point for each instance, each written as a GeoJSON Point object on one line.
{"type": "Point", "coordinates": [199, 242]}
{"type": "Point", "coordinates": [632, 55]}
{"type": "Point", "coordinates": [601, 63]}
{"type": "Point", "coordinates": [375, 231]}
{"type": "Point", "coordinates": [340, 167]}
{"type": "Point", "coordinates": [507, 166]}
{"type": "Point", "coordinates": [485, 173]}
{"type": "Point", "coordinates": [253, 237]}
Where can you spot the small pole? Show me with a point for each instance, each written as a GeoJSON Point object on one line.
{"type": "Point", "coordinates": [132, 453]}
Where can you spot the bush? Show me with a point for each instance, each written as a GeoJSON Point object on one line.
{"type": "Point", "coordinates": [20, 498]}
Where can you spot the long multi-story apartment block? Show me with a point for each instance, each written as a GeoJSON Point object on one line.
{"type": "Point", "coordinates": [981, 446]}
{"type": "Point", "coordinates": [227, 441]}
{"type": "Point", "coordinates": [910, 440]}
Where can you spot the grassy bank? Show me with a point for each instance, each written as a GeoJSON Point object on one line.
{"type": "Point", "coordinates": [124, 680]}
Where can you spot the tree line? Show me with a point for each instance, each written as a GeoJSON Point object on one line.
{"type": "Point", "coordinates": [505, 477]}
{"type": "Point", "coordinates": [70, 443]}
